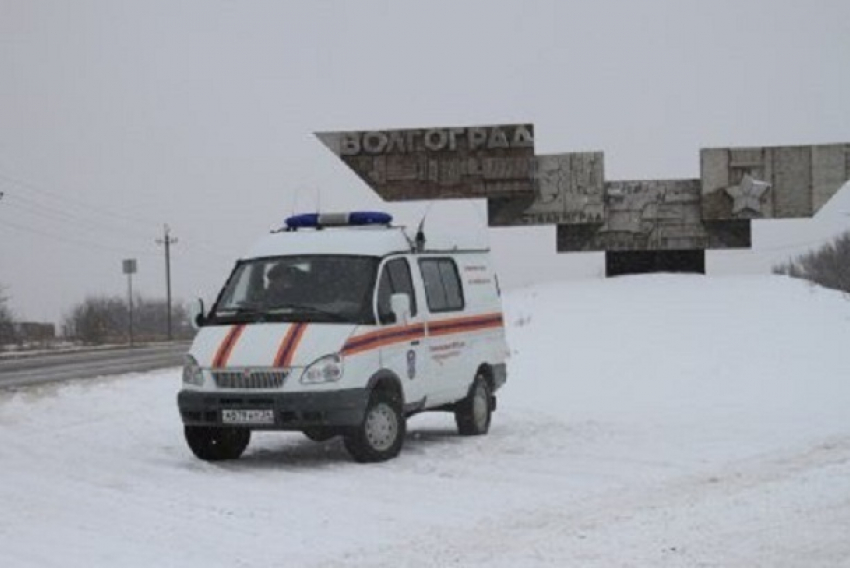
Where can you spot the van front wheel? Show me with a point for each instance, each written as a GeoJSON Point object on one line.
{"type": "Point", "coordinates": [473, 413]}
{"type": "Point", "coordinates": [217, 444]}
{"type": "Point", "coordinates": [381, 434]}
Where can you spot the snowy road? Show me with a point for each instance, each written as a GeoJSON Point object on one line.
{"type": "Point", "coordinates": [18, 372]}
{"type": "Point", "coordinates": [648, 434]}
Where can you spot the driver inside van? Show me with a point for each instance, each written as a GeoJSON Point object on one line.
{"type": "Point", "coordinates": [284, 285]}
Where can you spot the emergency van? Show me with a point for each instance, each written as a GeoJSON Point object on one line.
{"type": "Point", "coordinates": [344, 325]}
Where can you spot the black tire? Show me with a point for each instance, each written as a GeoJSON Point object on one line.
{"type": "Point", "coordinates": [320, 434]}
{"type": "Point", "coordinates": [382, 432]}
{"type": "Point", "coordinates": [473, 414]}
{"type": "Point", "coordinates": [217, 444]}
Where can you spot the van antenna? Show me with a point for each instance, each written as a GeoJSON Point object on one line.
{"type": "Point", "coordinates": [419, 239]}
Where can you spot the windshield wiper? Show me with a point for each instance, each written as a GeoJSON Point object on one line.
{"type": "Point", "coordinates": [307, 308]}
{"type": "Point", "coordinates": [247, 310]}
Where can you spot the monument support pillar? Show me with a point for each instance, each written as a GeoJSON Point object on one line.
{"type": "Point", "coordinates": [621, 263]}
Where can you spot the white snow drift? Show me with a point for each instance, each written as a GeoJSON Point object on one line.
{"type": "Point", "coordinates": [647, 421]}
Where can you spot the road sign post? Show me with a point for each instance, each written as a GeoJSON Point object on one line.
{"type": "Point", "coordinates": [129, 267]}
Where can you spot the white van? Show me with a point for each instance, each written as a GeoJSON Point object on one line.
{"type": "Point", "coordinates": [343, 325]}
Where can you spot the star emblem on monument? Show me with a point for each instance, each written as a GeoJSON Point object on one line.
{"type": "Point", "coordinates": [747, 195]}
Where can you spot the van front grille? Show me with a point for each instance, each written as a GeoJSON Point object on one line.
{"type": "Point", "coordinates": [249, 379]}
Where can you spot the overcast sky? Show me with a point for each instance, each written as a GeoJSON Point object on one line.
{"type": "Point", "coordinates": [117, 117]}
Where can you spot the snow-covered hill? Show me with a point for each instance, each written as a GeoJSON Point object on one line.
{"type": "Point", "coordinates": [647, 421]}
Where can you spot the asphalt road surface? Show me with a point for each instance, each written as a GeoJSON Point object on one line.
{"type": "Point", "coordinates": [86, 364]}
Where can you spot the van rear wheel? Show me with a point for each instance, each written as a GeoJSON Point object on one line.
{"type": "Point", "coordinates": [473, 413]}
{"type": "Point", "coordinates": [381, 434]}
{"type": "Point", "coordinates": [217, 444]}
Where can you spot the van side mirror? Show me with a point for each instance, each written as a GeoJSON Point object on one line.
{"type": "Point", "coordinates": [197, 317]}
{"type": "Point", "coordinates": [400, 306]}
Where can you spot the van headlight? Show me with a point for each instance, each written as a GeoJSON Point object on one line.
{"type": "Point", "coordinates": [325, 369]}
{"type": "Point", "coordinates": [192, 373]}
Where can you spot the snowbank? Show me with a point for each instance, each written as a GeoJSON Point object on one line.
{"type": "Point", "coordinates": [647, 421]}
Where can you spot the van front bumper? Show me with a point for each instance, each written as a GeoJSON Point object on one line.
{"type": "Point", "coordinates": [290, 411]}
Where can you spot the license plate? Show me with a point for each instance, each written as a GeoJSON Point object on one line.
{"type": "Point", "coordinates": [247, 416]}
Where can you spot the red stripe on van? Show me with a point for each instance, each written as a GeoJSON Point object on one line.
{"type": "Point", "coordinates": [375, 339]}
{"type": "Point", "coordinates": [465, 324]}
{"type": "Point", "coordinates": [227, 345]}
{"type": "Point", "coordinates": [284, 345]}
{"type": "Point", "coordinates": [384, 337]}
{"type": "Point", "coordinates": [289, 344]}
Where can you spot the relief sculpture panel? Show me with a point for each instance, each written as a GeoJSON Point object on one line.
{"type": "Point", "coordinates": [771, 182]}
{"type": "Point", "coordinates": [569, 190]}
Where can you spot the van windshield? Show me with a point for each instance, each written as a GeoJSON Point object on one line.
{"type": "Point", "coordinates": [304, 288]}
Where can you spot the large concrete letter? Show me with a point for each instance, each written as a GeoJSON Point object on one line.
{"type": "Point", "coordinates": [441, 163]}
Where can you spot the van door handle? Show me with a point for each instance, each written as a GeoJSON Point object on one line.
{"type": "Point", "coordinates": [415, 342]}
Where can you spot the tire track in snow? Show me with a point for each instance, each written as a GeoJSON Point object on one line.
{"type": "Point", "coordinates": [591, 529]}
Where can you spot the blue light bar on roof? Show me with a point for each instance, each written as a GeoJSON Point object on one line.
{"type": "Point", "coordinates": [353, 219]}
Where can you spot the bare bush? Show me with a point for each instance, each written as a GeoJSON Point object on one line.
{"type": "Point", "coordinates": [828, 266]}
{"type": "Point", "coordinates": [96, 319]}
{"type": "Point", "coordinates": [7, 327]}
{"type": "Point", "coordinates": [106, 319]}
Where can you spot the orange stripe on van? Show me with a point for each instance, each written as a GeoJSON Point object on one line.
{"type": "Point", "coordinates": [465, 324]}
{"type": "Point", "coordinates": [381, 338]}
{"type": "Point", "coordinates": [289, 344]}
{"type": "Point", "coordinates": [290, 355]}
{"type": "Point", "coordinates": [227, 345]}
{"type": "Point", "coordinates": [284, 345]}
{"type": "Point", "coordinates": [384, 337]}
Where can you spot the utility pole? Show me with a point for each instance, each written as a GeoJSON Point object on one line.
{"type": "Point", "coordinates": [167, 240]}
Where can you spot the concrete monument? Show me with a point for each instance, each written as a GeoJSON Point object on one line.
{"type": "Point", "coordinates": [641, 225]}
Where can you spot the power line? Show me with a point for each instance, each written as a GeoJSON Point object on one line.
{"type": "Point", "coordinates": [88, 244]}
{"type": "Point", "coordinates": [76, 202]}
{"type": "Point", "coordinates": [65, 239]}
{"type": "Point", "coordinates": [104, 216]}
{"type": "Point", "coordinates": [81, 224]}
{"type": "Point", "coordinates": [33, 207]}
{"type": "Point", "coordinates": [206, 248]}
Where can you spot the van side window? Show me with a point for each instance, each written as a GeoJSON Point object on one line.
{"type": "Point", "coordinates": [442, 284]}
{"type": "Point", "coordinates": [395, 279]}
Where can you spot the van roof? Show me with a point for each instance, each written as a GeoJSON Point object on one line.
{"type": "Point", "coordinates": [367, 241]}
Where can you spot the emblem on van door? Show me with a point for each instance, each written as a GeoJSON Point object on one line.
{"type": "Point", "coordinates": [411, 364]}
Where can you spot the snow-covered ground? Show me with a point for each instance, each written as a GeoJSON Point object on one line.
{"type": "Point", "coordinates": [648, 421]}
